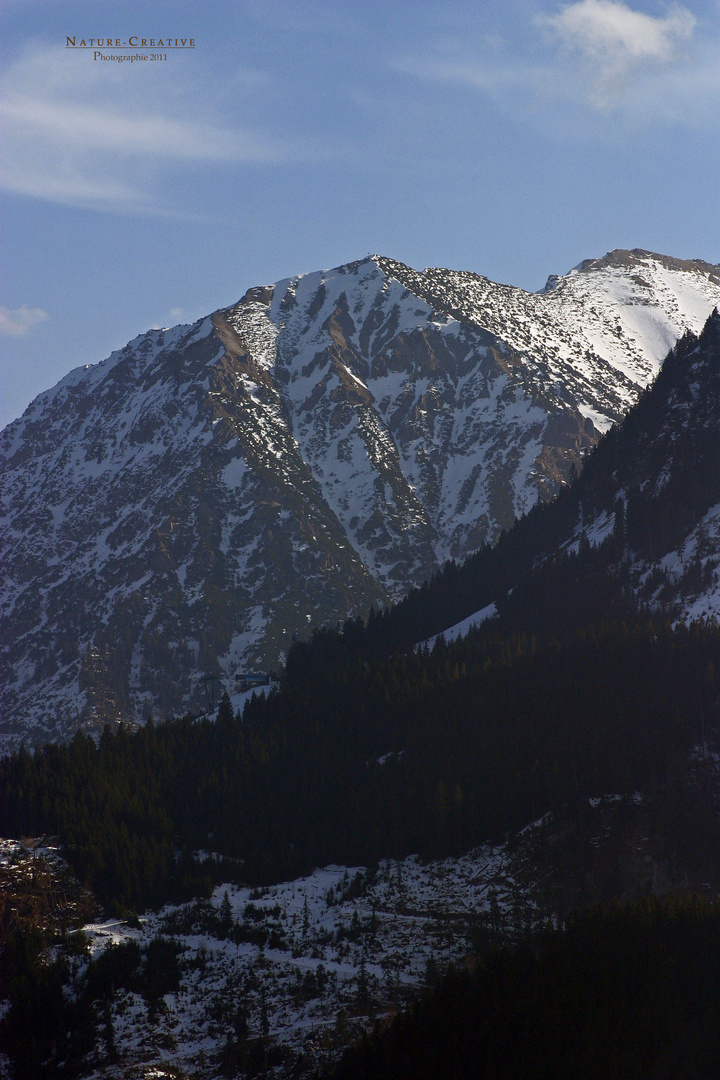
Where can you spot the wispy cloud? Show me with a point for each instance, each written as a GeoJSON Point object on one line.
{"type": "Point", "coordinates": [494, 77]}
{"type": "Point", "coordinates": [78, 133]}
{"type": "Point", "coordinates": [93, 128]}
{"type": "Point", "coordinates": [16, 322]}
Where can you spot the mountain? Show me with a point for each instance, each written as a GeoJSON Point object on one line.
{"type": "Point", "coordinates": [189, 505]}
{"type": "Point", "coordinates": [459, 798]}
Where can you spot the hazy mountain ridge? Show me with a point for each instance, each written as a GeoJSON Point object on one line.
{"type": "Point", "coordinates": [194, 501]}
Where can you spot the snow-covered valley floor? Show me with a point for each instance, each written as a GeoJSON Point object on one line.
{"type": "Point", "coordinates": [299, 967]}
{"type": "Point", "coordinates": [343, 948]}
{"type": "Point", "coordinates": [278, 980]}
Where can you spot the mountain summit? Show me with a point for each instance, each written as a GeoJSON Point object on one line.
{"type": "Point", "coordinates": [186, 507]}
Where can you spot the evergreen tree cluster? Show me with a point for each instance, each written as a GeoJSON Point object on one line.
{"type": "Point", "coordinates": [629, 993]}
{"type": "Point", "coordinates": [44, 1025]}
{"type": "Point", "coordinates": [58, 1009]}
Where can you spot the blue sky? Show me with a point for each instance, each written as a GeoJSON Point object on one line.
{"type": "Point", "coordinates": [513, 138]}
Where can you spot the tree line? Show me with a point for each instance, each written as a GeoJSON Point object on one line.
{"type": "Point", "coordinates": [428, 752]}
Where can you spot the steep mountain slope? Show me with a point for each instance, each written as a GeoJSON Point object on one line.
{"type": "Point", "coordinates": [145, 534]}
{"type": "Point", "coordinates": [193, 502]}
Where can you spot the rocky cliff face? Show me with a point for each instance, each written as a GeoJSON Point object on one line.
{"type": "Point", "coordinates": [187, 506]}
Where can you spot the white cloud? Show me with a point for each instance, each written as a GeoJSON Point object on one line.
{"type": "Point", "coordinates": [79, 132]}
{"type": "Point", "coordinates": [15, 322]}
{"type": "Point", "coordinates": [609, 30]}
{"type": "Point", "coordinates": [617, 44]}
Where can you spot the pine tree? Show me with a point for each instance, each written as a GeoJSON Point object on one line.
{"type": "Point", "coordinates": [226, 919]}
{"type": "Point", "coordinates": [225, 713]}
